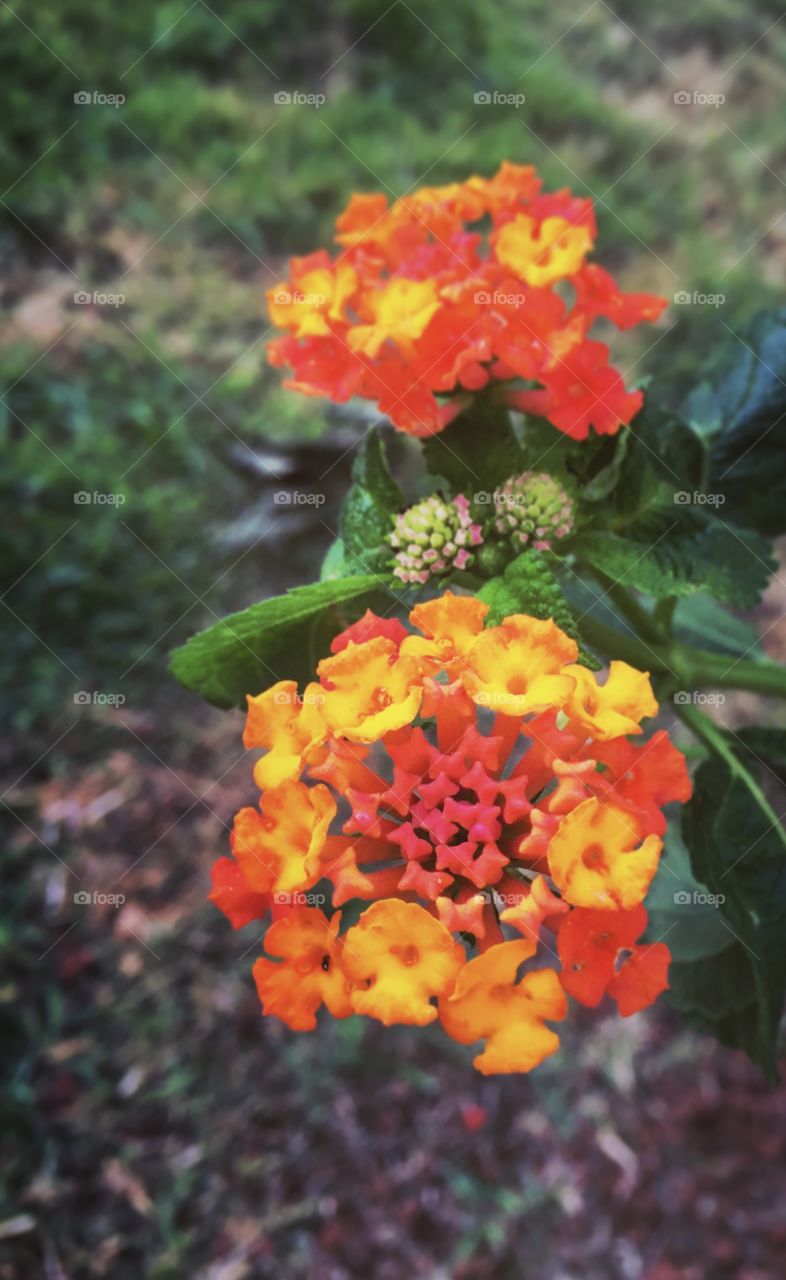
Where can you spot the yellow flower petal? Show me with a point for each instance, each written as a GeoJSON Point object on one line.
{"type": "Point", "coordinates": [597, 858]}
{"type": "Point", "coordinates": [540, 257]}
{"type": "Point", "coordinates": [487, 1004]}
{"type": "Point", "coordinates": [404, 956]}
{"type": "Point", "coordinates": [614, 708]}
{"type": "Point", "coordinates": [370, 690]}
{"type": "Point", "coordinates": [518, 667]}
{"type": "Point", "coordinates": [278, 848]}
{"type": "Point", "coordinates": [400, 311]}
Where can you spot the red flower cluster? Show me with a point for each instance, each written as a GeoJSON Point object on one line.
{"type": "Point", "coordinates": [418, 311]}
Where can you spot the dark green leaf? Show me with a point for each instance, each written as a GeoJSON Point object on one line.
{"type": "Point", "coordinates": [739, 408]}
{"type": "Point", "coordinates": [477, 452]}
{"type": "Point", "coordinates": [711, 978]}
{"type": "Point", "coordinates": [277, 639]}
{"type": "Point", "coordinates": [704, 624]}
{"type": "Point", "coordinates": [677, 551]}
{"type": "Point", "coordinates": [740, 854]}
{"type": "Point", "coordinates": [369, 507]}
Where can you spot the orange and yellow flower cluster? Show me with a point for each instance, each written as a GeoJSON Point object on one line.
{"type": "Point", "coordinates": [472, 784]}
{"type": "Point", "coordinates": [451, 289]}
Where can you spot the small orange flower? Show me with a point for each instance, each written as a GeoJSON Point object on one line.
{"type": "Point", "coordinates": [590, 943]}
{"type": "Point", "coordinates": [519, 666]}
{"type": "Point", "coordinates": [278, 848]}
{"type": "Point", "coordinates": [542, 254]}
{"type": "Point", "coordinates": [399, 957]}
{"type": "Point", "coordinates": [370, 690]}
{"type": "Point", "coordinates": [614, 708]}
{"type": "Point", "coordinates": [309, 974]}
{"type": "Point", "coordinates": [598, 859]}
{"type": "Point", "coordinates": [288, 727]}
{"type": "Point", "coordinates": [450, 625]}
{"type": "Point", "coordinates": [488, 1004]}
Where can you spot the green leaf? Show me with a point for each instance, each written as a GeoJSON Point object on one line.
{"type": "Point", "coordinates": [477, 452]}
{"type": "Point", "coordinates": [739, 409]}
{"type": "Point", "coordinates": [529, 586]}
{"type": "Point", "coordinates": [277, 639]}
{"type": "Point", "coordinates": [711, 979]}
{"type": "Point", "coordinates": [740, 854]}
{"type": "Point", "coordinates": [676, 552]}
{"type": "Point", "coordinates": [701, 622]}
{"type": "Point", "coordinates": [367, 514]}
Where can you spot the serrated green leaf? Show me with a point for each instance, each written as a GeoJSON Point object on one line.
{"type": "Point", "coordinates": [529, 586]}
{"type": "Point", "coordinates": [277, 639]}
{"type": "Point", "coordinates": [739, 853]}
{"type": "Point", "coordinates": [477, 452]}
{"type": "Point", "coordinates": [677, 552]}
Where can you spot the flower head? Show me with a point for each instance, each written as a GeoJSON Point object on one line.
{"type": "Point", "coordinates": [477, 789]}
{"type": "Point", "coordinates": [423, 307]}
{"type": "Point", "coordinates": [533, 510]}
{"type": "Point", "coordinates": [434, 537]}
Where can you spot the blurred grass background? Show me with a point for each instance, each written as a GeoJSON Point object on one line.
{"type": "Point", "coordinates": [153, 1125]}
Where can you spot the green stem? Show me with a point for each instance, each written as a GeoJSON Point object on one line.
{"type": "Point", "coordinates": [712, 735]}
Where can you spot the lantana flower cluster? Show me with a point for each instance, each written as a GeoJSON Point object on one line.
{"type": "Point", "coordinates": [454, 289]}
{"type": "Point", "coordinates": [470, 798]}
